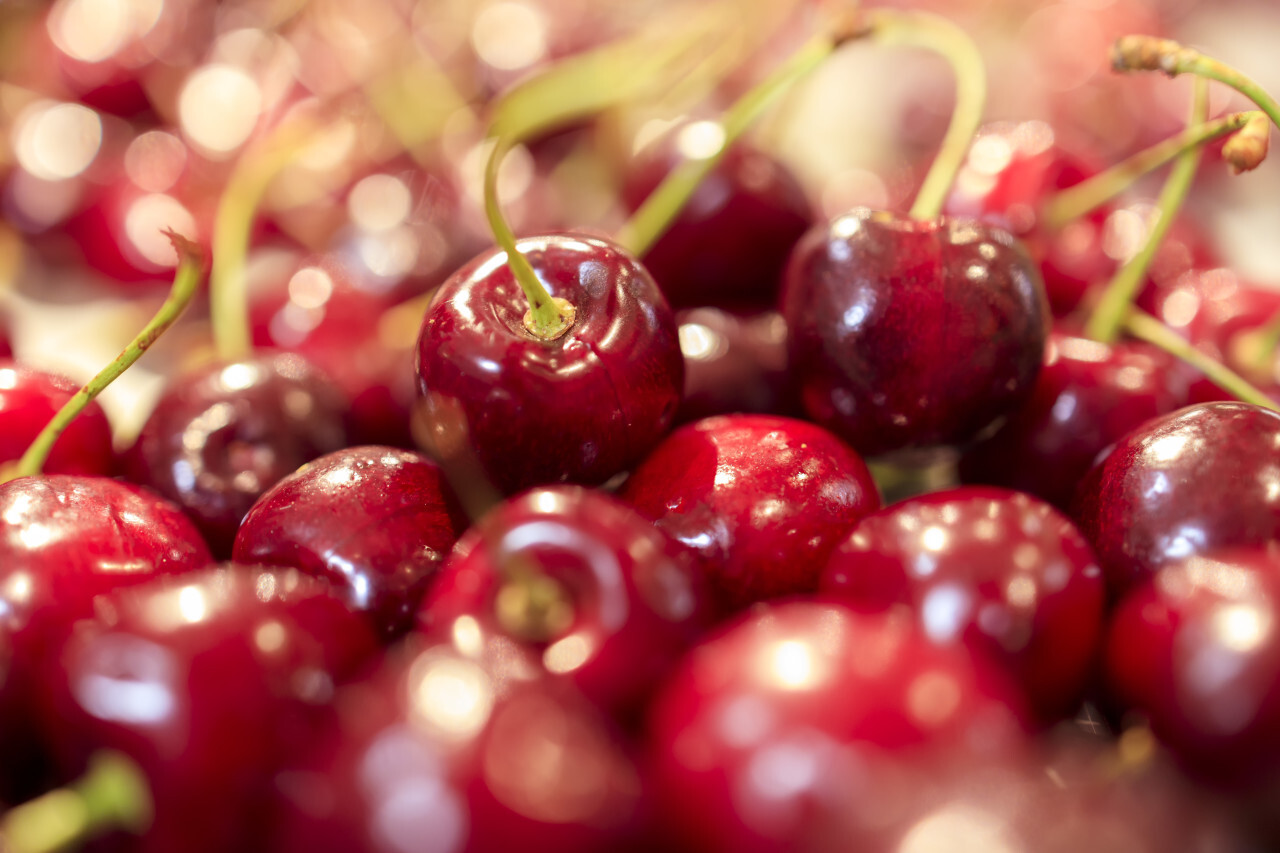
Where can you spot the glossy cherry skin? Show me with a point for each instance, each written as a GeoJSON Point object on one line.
{"type": "Point", "coordinates": [374, 521]}
{"type": "Point", "coordinates": [578, 409]}
{"type": "Point", "coordinates": [1087, 396]}
{"type": "Point", "coordinates": [635, 601]}
{"type": "Point", "coordinates": [209, 682]}
{"type": "Point", "coordinates": [730, 243]}
{"type": "Point", "coordinates": [461, 745]}
{"type": "Point", "coordinates": [29, 399]}
{"type": "Point", "coordinates": [910, 335]}
{"type": "Point", "coordinates": [1198, 479]}
{"type": "Point", "coordinates": [222, 436]}
{"type": "Point", "coordinates": [798, 712]}
{"type": "Point", "coordinates": [999, 570]}
{"type": "Point", "coordinates": [761, 501]}
{"type": "Point", "coordinates": [1192, 651]}
{"type": "Point", "coordinates": [734, 362]}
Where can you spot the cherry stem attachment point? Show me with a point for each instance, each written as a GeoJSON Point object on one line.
{"type": "Point", "coordinates": [112, 794]}
{"type": "Point", "coordinates": [1074, 202]}
{"type": "Point", "coordinates": [186, 281]}
{"type": "Point", "coordinates": [935, 33]}
{"type": "Point", "coordinates": [1108, 316]}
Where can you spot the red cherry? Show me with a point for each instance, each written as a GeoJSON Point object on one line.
{"type": "Point", "coordinates": [761, 500]}
{"type": "Point", "coordinates": [375, 521]}
{"type": "Point", "coordinates": [999, 570]}
{"type": "Point", "coordinates": [909, 335]}
{"type": "Point", "coordinates": [579, 408]}
{"type": "Point", "coordinates": [620, 603]}
{"type": "Point", "coordinates": [734, 362]}
{"type": "Point", "coordinates": [29, 399]}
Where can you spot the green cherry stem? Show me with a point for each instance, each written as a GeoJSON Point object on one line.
{"type": "Point", "coordinates": [186, 281]}
{"type": "Point", "coordinates": [1147, 328]}
{"type": "Point", "coordinates": [1108, 316]}
{"type": "Point", "coordinates": [112, 794]}
{"type": "Point", "coordinates": [922, 29]}
{"type": "Point", "coordinates": [1074, 202]}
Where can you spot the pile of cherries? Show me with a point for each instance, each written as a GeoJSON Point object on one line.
{"type": "Point", "coordinates": [451, 555]}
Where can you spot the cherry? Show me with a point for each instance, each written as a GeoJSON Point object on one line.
{"type": "Point", "coordinates": [999, 570]}
{"type": "Point", "coordinates": [906, 334]}
{"type": "Point", "coordinates": [460, 744]}
{"type": "Point", "coordinates": [734, 362]}
{"type": "Point", "coordinates": [1198, 479]}
{"type": "Point", "coordinates": [29, 399]}
{"type": "Point", "coordinates": [375, 521]}
{"type": "Point", "coordinates": [577, 408]}
{"type": "Point", "coordinates": [731, 241]}
{"type": "Point", "coordinates": [797, 715]}
{"type": "Point", "coordinates": [221, 436]}
{"type": "Point", "coordinates": [761, 501]}
{"type": "Point", "coordinates": [209, 682]}
{"type": "Point", "coordinates": [1087, 396]}
{"type": "Point", "coordinates": [583, 581]}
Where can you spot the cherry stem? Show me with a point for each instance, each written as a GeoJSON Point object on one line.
{"type": "Point", "coordinates": [1147, 328]}
{"type": "Point", "coordinates": [922, 29]}
{"type": "Point", "coordinates": [1148, 53]}
{"type": "Point", "coordinates": [186, 281]}
{"type": "Point", "coordinates": [228, 281]}
{"type": "Point", "coordinates": [1108, 316]}
{"type": "Point", "coordinates": [113, 794]}
{"type": "Point", "coordinates": [647, 225]}
{"type": "Point", "coordinates": [1261, 345]}
{"type": "Point", "coordinates": [1076, 201]}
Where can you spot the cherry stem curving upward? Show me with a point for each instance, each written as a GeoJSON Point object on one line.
{"type": "Point", "coordinates": [113, 794]}
{"type": "Point", "coordinates": [186, 281]}
{"type": "Point", "coordinates": [922, 29]}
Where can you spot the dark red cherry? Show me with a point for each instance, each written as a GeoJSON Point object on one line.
{"type": "Point", "coordinates": [461, 745]}
{"type": "Point", "coordinates": [579, 408]}
{"type": "Point", "coordinates": [1087, 396]}
{"type": "Point", "coordinates": [734, 362]}
{"type": "Point", "coordinates": [999, 570]}
{"type": "Point", "coordinates": [583, 581]}
{"type": "Point", "coordinates": [761, 501]}
{"type": "Point", "coordinates": [221, 436]}
{"type": "Point", "coordinates": [210, 682]}
{"type": "Point", "coordinates": [29, 399]}
{"type": "Point", "coordinates": [1193, 650]}
{"type": "Point", "coordinates": [730, 243]}
{"type": "Point", "coordinates": [1198, 479]}
{"type": "Point", "coordinates": [375, 521]}
{"type": "Point", "coordinates": [907, 335]}
{"type": "Point", "coordinates": [799, 712]}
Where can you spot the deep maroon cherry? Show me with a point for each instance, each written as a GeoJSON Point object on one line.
{"type": "Point", "coordinates": [29, 399]}
{"type": "Point", "coordinates": [1087, 396]}
{"type": "Point", "coordinates": [222, 436]}
{"type": "Point", "coordinates": [908, 334]}
{"type": "Point", "coordinates": [730, 243]}
{"type": "Point", "coordinates": [800, 713]}
{"type": "Point", "coordinates": [999, 570]}
{"type": "Point", "coordinates": [761, 500]}
{"type": "Point", "coordinates": [583, 580]}
{"type": "Point", "coordinates": [209, 682]}
{"type": "Point", "coordinates": [579, 408]}
{"type": "Point", "coordinates": [734, 362]}
{"type": "Point", "coordinates": [1198, 479]}
{"type": "Point", "coordinates": [375, 521]}
{"type": "Point", "coordinates": [464, 744]}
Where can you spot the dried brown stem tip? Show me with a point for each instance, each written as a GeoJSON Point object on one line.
{"type": "Point", "coordinates": [1247, 147]}
{"type": "Point", "coordinates": [1148, 53]}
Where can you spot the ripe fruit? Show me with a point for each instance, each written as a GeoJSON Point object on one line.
{"type": "Point", "coordinates": [29, 399]}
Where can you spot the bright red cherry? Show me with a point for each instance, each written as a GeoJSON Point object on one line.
{"type": "Point", "coordinates": [907, 335]}
{"type": "Point", "coordinates": [579, 408]}
{"type": "Point", "coordinates": [222, 436]}
{"type": "Point", "coordinates": [761, 501]}
{"type": "Point", "coordinates": [29, 399]}
{"type": "Point", "coordinates": [734, 362]}
{"type": "Point", "coordinates": [1198, 479]}
{"type": "Point", "coordinates": [375, 521]}
{"type": "Point", "coordinates": [999, 570]}
{"type": "Point", "coordinates": [582, 580]}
